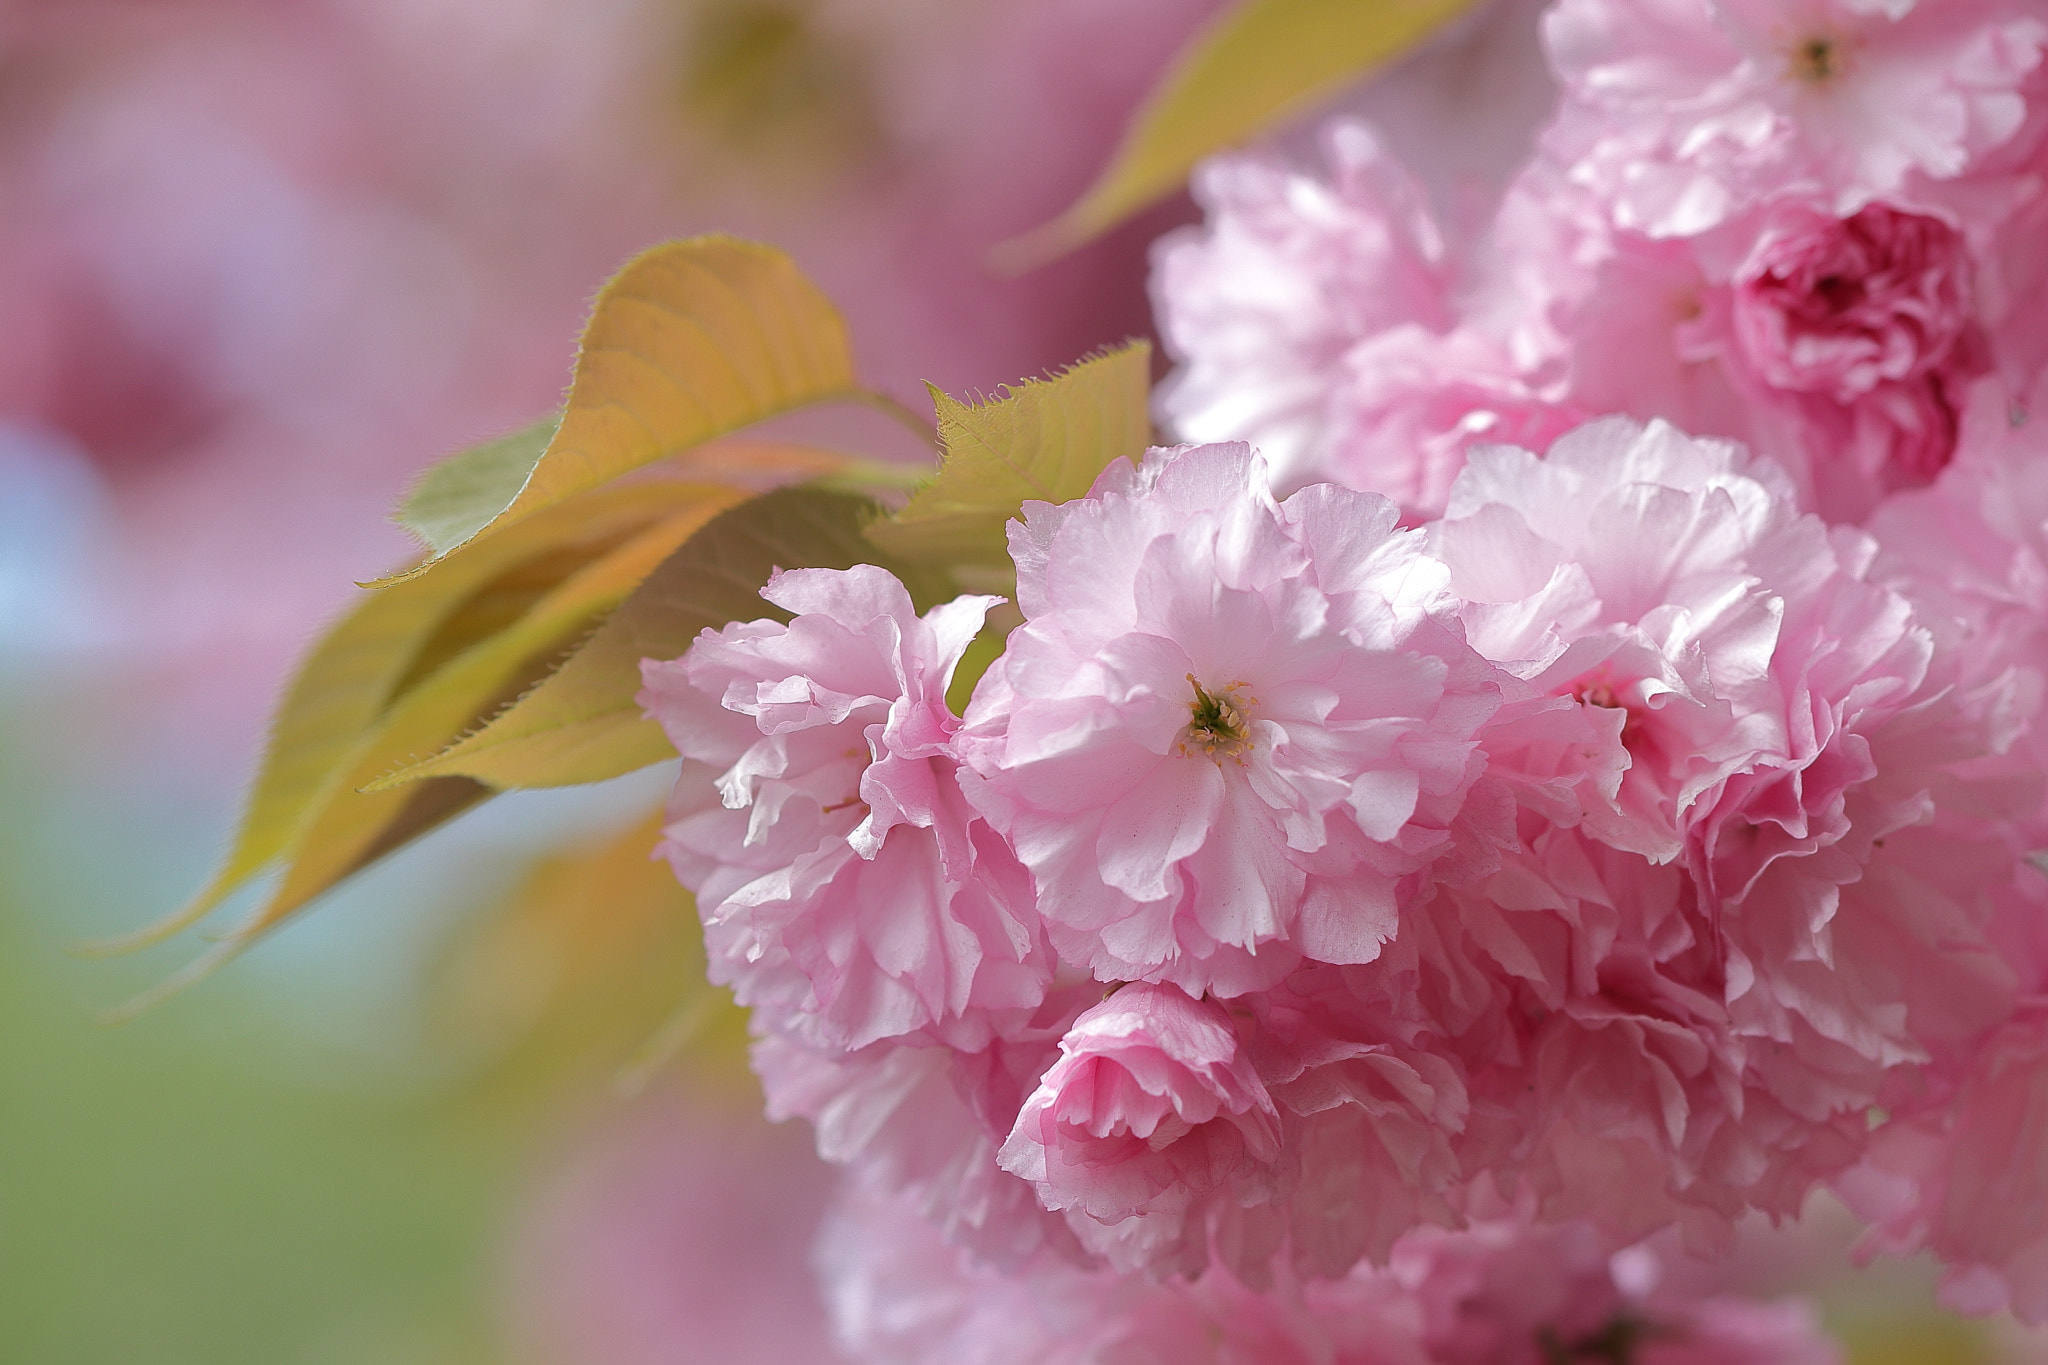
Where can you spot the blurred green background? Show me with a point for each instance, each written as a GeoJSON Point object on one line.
{"type": "Point", "coordinates": [240, 1175]}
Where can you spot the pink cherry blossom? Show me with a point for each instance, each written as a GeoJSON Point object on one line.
{"type": "Point", "coordinates": [843, 881]}
{"type": "Point", "coordinates": [1217, 708]}
{"type": "Point", "coordinates": [1329, 323]}
{"type": "Point", "coordinates": [1509, 1292]}
{"type": "Point", "coordinates": [1372, 1106]}
{"type": "Point", "coordinates": [1838, 306]}
{"type": "Point", "coordinates": [1765, 916]}
{"type": "Point", "coordinates": [1503, 1293]}
{"type": "Point", "coordinates": [1409, 406]}
{"type": "Point", "coordinates": [1151, 1105]}
{"type": "Point", "coordinates": [1620, 572]}
{"type": "Point", "coordinates": [1291, 271]}
{"type": "Point", "coordinates": [1684, 112]}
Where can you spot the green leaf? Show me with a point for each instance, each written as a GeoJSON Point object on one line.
{"type": "Point", "coordinates": [391, 641]}
{"type": "Point", "coordinates": [583, 723]}
{"type": "Point", "coordinates": [980, 656]}
{"type": "Point", "coordinates": [1046, 439]}
{"type": "Point", "coordinates": [1258, 65]}
{"type": "Point", "coordinates": [458, 497]}
{"type": "Point", "coordinates": [691, 341]}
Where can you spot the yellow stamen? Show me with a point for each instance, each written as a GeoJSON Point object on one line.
{"type": "Point", "coordinates": [1217, 722]}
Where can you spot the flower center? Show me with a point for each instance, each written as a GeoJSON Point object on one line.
{"type": "Point", "coordinates": [1618, 1343]}
{"type": "Point", "coordinates": [1602, 691]}
{"type": "Point", "coordinates": [1217, 723]}
{"type": "Point", "coordinates": [1816, 59]}
{"type": "Point", "coordinates": [1598, 692]}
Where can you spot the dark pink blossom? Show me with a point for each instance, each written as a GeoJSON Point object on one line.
{"type": "Point", "coordinates": [1839, 306]}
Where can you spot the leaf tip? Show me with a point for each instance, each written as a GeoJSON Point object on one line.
{"type": "Point", "coordinates": [1042, 245]}
{"type": "Point", "coordinates": [177, 983]}
{"type": "Point", "coordinates": [156, 931]}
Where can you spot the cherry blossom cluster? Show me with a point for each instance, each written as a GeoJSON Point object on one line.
{"type": "Point", "coordinates": [1809, 225]}
{"type": "Point", "coordinates": [1559, 763]}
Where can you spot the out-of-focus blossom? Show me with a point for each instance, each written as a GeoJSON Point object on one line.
{"type": "Point", "coordinates": [1502, 1293]}
{"type": "Point", "coordinates": [1292, 272]}
{"type": "Point", "coordinates": [1805, 231]}
{"type": "Point", "coordinates": [674, 1230]}
{"type": "Point", "coordinates": [1685, 114]}
{"type": "Point", "coordinates": [1318, 319]}
{"type": "Point", "coordinates": [1967, 1178]}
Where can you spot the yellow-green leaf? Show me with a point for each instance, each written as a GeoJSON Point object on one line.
{"type": "Point", "coordinates": [392, 639]}
{"type": "Point", "coordinates": [692, 340]}
{"type": "Point", "coordinates": [1259, 64]}
{"type": "Point", "coordinates": [583, 724]}
{"type": "Point", "coordinates": [453, 500]}
{"type": "Point", "coordinates": [350, 827]}
{"type": "Point", "coordinates": [981, 654]}
{"type": "Point", "coordinates": [342, 828]}
{"type": "Point", "coordinates": [1046, 439]}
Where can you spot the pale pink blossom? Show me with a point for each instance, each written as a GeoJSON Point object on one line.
{"type": "Point", "coordinates": [1620, 573]}
{"type": "Point", "coordinates": [844, 883]}
{"type": "Point", "coordinates": [1152, 1105]}
{"type": "Point", "coordinates": [1326, 320]}
{"type": "Point", "coordinates": [1230, 731]}
{"type": "Point", "coordinates": [1683, 113]}
{"type": "Point", "coordinates": [1290, 272]}
{"type": "Point", "coordinates": [1409, 405]}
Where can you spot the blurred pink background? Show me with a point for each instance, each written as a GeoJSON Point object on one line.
{"type": "Point", "coordinates": [261, 261]}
